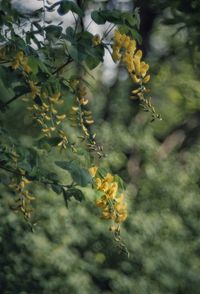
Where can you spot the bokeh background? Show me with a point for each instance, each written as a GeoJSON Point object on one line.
{"type": "Point", "coordinates": [72, 251]}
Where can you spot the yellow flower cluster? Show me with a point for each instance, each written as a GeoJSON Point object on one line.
{"type": "Point", "coordinates": [35, 90]}
{"type": "Point", "coordinates": [82, 117]}
{"type": "Point", "coordinates": [24, 198]}
{"type": "Point", "coordinates": [21, 60]}
{"type": "Point", "coordinates": [96, 40]}
{"type": "Point", "coordinates": [47, 116]}
{"type": "Point", "coordinates": [112, 203]}
{"type": "Point", "coordinates": [124, 48]}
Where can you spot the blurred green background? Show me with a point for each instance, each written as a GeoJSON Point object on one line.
{"type": "Point", "coordinates": [72, 251]}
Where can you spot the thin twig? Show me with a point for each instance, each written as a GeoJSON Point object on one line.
{"type": "Point", "coordinates": [34, 178]}
{"type": "Point", "coordinates": [28, 91]}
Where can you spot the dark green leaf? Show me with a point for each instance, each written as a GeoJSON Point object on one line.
{"type": "Point", "coordinates": [70, 34]}
{"type": "Point", "coordinates": [79, 175]}
{"type": "Point", "coordinates": [57, 189]}
{"type": "Point", "coordinates": [66, 6]}
{"type": "Point", "coordinates": [73, 192]}
{"type": "Point", "coordinates": [4, 179]}
{"type": "Point", "coordinates": [33, 63]}
{"type": "Point", "coordinates": [98, 17]}
{"type": "Point", "coordinates": [53, 31]}
{"type": "Point", "coordinates": [92, 62]}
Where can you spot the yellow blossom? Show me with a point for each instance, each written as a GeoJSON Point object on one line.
{"type": "Point", "coordinates": [34, 89]}
{"type": "Point", "coordinates": [96, 40]}
{"type": "Point", "coordinates": [93, 171]}
{"type": "Point", "coordinates": [146, 79]}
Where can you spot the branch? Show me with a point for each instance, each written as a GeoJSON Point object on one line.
{"type": "Point", "coordinates": [34, 178]}
{"type": "Point", "coordinates": [79, 2]}
{"type": "Point", "coordinates": [3, 106]}
{"type": "Point", "coordinates": [51, 8]}
{"type": "Point", "coordinates": [62, 66]}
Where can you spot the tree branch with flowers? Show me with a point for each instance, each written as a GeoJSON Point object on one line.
{"type": "Point", "coordinates": [34, 66]}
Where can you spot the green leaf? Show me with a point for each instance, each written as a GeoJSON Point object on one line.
{"type": "Point", "coordinates": [102, 172]}
{"type": "Point", "coordinates": [25, 166]}
{"type": "Point", "coordinates": [124, 29]}
{"type": "Point", "coordinates": [66, 6]}
{"type": "Point", "coordinates": [69, 34]}
{"type": "Point", "coordinates": [53, 31]}
{"type": "Point", "coordinates": [98, 17]}
{"type": "Point", "coordinates": [73, 192]}
{"type": "Point", "coordinates": [95, 56]}
{"type": "Point", "coordinates": [33, 63]}
{"type": "Point", "coordinates": [47, 143]}
{"type": "Point", "coordinates": [4, 179]}
{"type": "Point", "coordinates": [57, 189]}
{"type": "Point", "coordinates": [43, 67]}
{"type": "Point", "coordinates": [52, 176]}
{"type": "Point", "coordinates": [20, 89]}
{"type": "Point", "coordinates": [77, 52]}
{"type": "Point", "coordinates": [136, 35]}
{"type": "Point", "coordinates": [120, 182]}
{"type": "Point", "coordinates": [92, 62]}
{"type": "Point", "coordinates": [117, 17]}
{"type": "Point", "coordinates": [114, 16]}
{"type": "Point", "coordinates": [130, 19]}
{"type": "Point", "coordinates": [79, 175]}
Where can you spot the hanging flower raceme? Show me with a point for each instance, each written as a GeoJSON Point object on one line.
{"type": "Point", "coordinates": [24, 196]}
{"type": "Point", "coordinates": [21, 61]}
{"type": "Point", "coordinates": [125, 50]}
{"type": "Point", "coordinates": [111, 201]}
{"type": "Point", "coordinates": [46, 115]}
{"type": "Point", "coordinates": [82, 117]}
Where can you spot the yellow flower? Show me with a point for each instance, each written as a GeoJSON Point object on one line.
{"type": "Point", "coordinates": [139, 54]}
{"type": "Point", "coordinates": [136, 61]}
{"type": "Point", "coordinates": [112, 191]}
{"type": "Point", "coordinates": [15, 64]}
{"type": "Point", "coordinates": [121, 210]}
{"type": "Point", "coordinates": [126, 42]}
{"type": "Point", "coordinates": [93, 171]}
{"type": "Point", "coordinates": [113, 206]}
{"type": "Point", "coordinates": [131, 47]}
{"type": "Point", "coordinates": [117, 37]}
{"type": "Point", "coordinates": [96, 40]}
{"type": "Point", "coordinates": [102, 185]}
{"type": "Point", "coordinates": [109, 178]}
{"type": "Point", "coordinates": [34, 89]}
{"type": "Point", "coordinates": [19, 56]}
{"type": "Point", "coordinates": [116, 55]}
{"type": "Point", "coordinates": [55, 98]}
{"type": "Point", "coordinates": [89, 121]}
{"type": "Point", "coordinates": [61, 117]}
{"type": "Point", "coordinates": [25, 65]}
{"type": "Point", "coordinates": [135, 78]}
{"type": "Point", "coordinates": [102, 202]}
{"type": "Point", "coordinates": [83, 101]}
{"type": "Point", "coordinates": [146, 79]}
{"type": "Point", "coordinates": [144, 68]}
{"type": "Point", "coordinates": [128, 60]}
